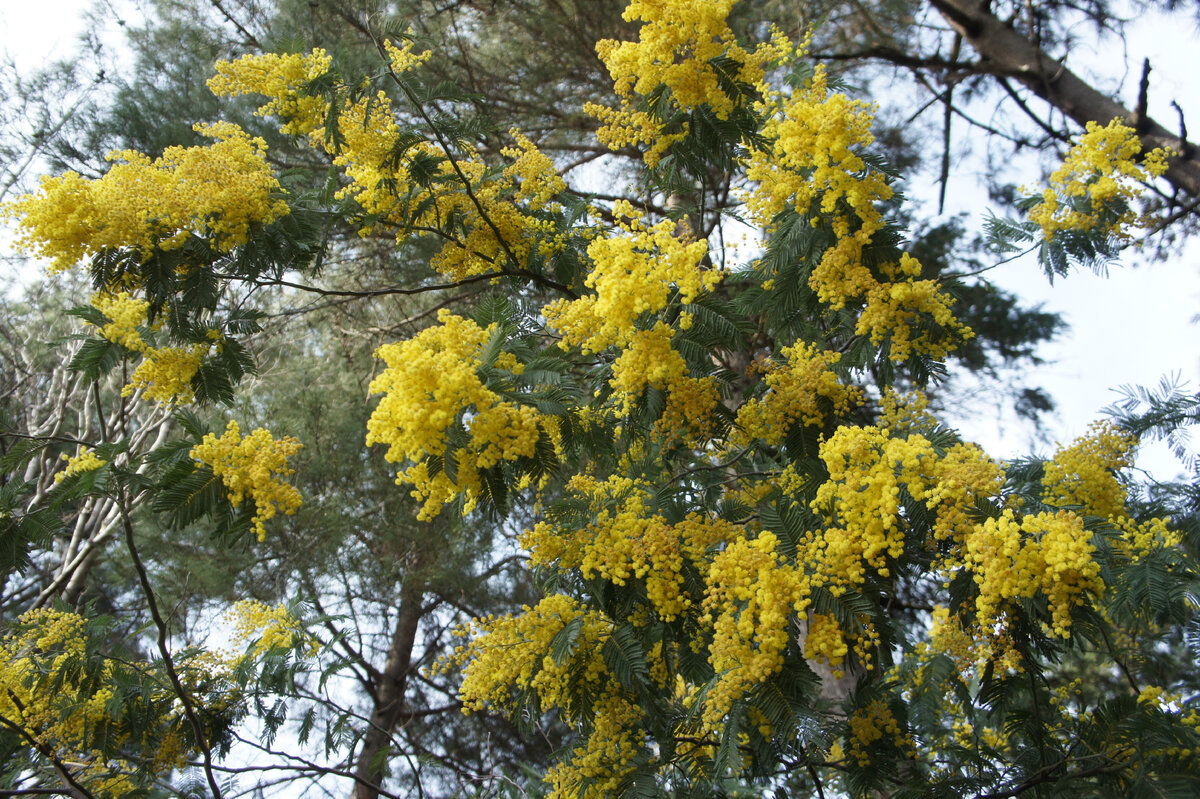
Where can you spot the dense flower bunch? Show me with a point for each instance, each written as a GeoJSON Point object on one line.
{"type": "Point", "coordinates": [165, 373]}
{"type": "Point", "coordinates": [252, 466]}
{"type": "Point", "coordinates": [803, 389]}
{"type": "Point", "coordinates": [432, 393]}
{"type": "Point", "coordinates": [685, 49]}
{"type": "Point", "coordinates": [281, 77]}
{"type": "Point", "coordinates": [216, 192]}
{"type": "Point", "coordinates": [1098, 179]}
{"type": "Point", "coordinates": [410, 186]}
{"type": "Point", "coordinates": [85, 460]}
{"type": "Point", "coordinates": [267, 627]}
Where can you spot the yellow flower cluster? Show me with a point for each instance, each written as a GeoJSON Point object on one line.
{"type": "Point", "coordinates": [902, 312]}
{"type": "Point", "coordinates": [252, 466]}
{"type": "Point", "coordinates": [688, 416]}
{"type": "Point", "coordinates": [126, 315]}
{"type": "Point", "coordinates": [648, 360]}
{"type": "Point", "coordinates": [1101, 169]}
{"type": "Point", "coordinates": [752, 592]}
{"type": "Point", "coordinates": [539, 181]}
{"type": "Point", "coordinates": [165, 373]}
{"type": "Point", "coordinates": [216, 192]}
{"type": "Point", "coordinates": [1047, 553]}
{"type": "Point", "coordinates": [861, 502]}
{"type": "Point", "coordinates": [625, 542]}
{"type": "Point", "coordinates": [281, 77]}
{"type": "Point", "coordinates": [597, 768]}
{"type": "Point", "coordinates": [432, 383]}
{"type": "Point", "coordinates": [824, 641]}
{"type": "Point", "coordinates": [488, 226]}
{"type": "Point", "coordinates": [677, 44]}
{"type": "Point", "coordinates": [1084, 474]}
{"type": "Point", "coordinates": [812, 164]}
{"type": "Point", "coordinates": [84, 460]}
{"type": "Point", "coordinates": [510, 655]}
{"type": "Point", "coordinates": [871, 723]}
{"type": "Point", "coordinates": [268, 627]}
{"type": "Point", "coordinates": [42, 690]}
{"type": "Point", "coordinates": [634, 274]}
{"type": "Point", "coordinates": [802, 389]}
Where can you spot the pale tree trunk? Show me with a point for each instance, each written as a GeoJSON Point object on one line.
{"type": "Point", "coordinates": [1007, 53]}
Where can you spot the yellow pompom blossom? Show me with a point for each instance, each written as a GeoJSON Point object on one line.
{"type": "Point", "coordinates": [634, 274]}
{"type": "Point", "coordinates": [624, 542]}
{"type": "Point", "coordinates": [872, 723]}
{"type": "Point", "coordinates": [861, 499]}
{"type": "Point", "coordinates": [1101, 169]}
{"type": "Point", "coordinates": [404, 58]}
{"type": "Point", "coordinates": [279, 77]}
{"type": "Point", "coordinates": [252, 467]}
{"type": "Point", "coordinates": [166, 374]}
{"type": "Point", "coordinates": [896, 311]}
{"type": "Point", "coordinates": [43, 691]}
{"type": "Point", "coordinates": [752, 592]}
{"type": "Point", "coordinates": [127, 313]}
{"type": "Point", "coordinates": [648, 360]}
{"type": "Point", "coordinates": [1047, 553]}
{"type": "Point", "coordinates": [1084, 474]}
{"type": "Point", "coordinates": [216, 192]}
{"type": "Point", "coordinates": [85, 460]}
{"type": "Point", "coordinates": [490, 227]}
{"type": "Point", "coordinates": [431, 383]}
{"type": "Point", "coordinates": [511, 654]}
{"type": "Point", "coordinates": [688, 417]}
{"type": "Point", "coordinates": [268, 627]}
{"type": "Point", "coordinates": [676, 44]}
{"type": "Point", "coordinates": [824, 641]}
{"type": "Point", "coordinates": [539, 179]}
{"type": "Point", "coordinates": [803, 389]}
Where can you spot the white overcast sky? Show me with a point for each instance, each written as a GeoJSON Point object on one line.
{"type": "Point", "coordinates": [1133, 327]}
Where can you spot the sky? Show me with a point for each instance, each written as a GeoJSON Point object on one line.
{"type": "Point", "coordinates": [1133, 327]}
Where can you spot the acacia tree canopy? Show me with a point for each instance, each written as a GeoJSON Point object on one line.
{"type": "Point", "coordinates": [763, 563]}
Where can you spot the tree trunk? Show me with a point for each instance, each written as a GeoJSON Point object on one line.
{"type": "Point", "coordinates": [1008, 53]}
{"type": "Point", "coordinates": [389, 696]}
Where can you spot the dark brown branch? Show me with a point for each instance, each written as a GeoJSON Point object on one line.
{"type": "Point", "coordinates": [189, 708]}
{"type": "Point", "coordinates": [1008, 53]}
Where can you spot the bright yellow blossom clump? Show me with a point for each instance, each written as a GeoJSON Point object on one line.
{"type": "Point", "coordinates": [166, 374]}
{"type": "Point", "coordinates": [1084, 474]}
{"type": "Point", "coordinates": [281, 78]}
{"type": "Point", "coordinates": [1097, 181]}
{"type": "Point", "coordinates": [633, 274]}
{"type": "Point", "coordinates": [752, 592]}
{"type": "Point", "coordinates": [252, 467]}
{"type": "Point", "coordinates": [803, 389]}
{"type": "Point", "coordinates": [268, 627]}
{"type": "Point", "coordinates": [1047, 553]}
{"type": "Point", "coordinates": [127, 314]}
{"type": "Point", "coordinates": [85, 460]}
{"type": "Point", "coordinates": [44, 693]}
{"type": "Point", "coordinates": [900, 312]}
{"type": "Point", "coordinates": [677, 44]}
{"type": "Point", "coordinates": [430, 385]}
{"type": "Point", "coordinates": [871, 723]}
{"type": "Point", "coordinates": [216, 192]}
{"type": "Point", "coordinates": [626, 542]}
